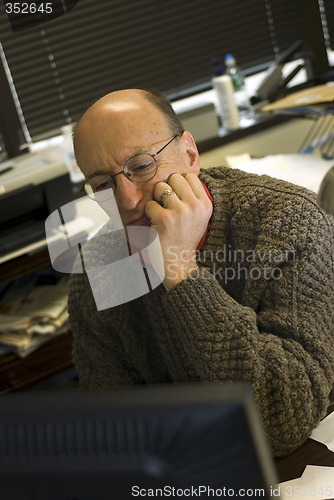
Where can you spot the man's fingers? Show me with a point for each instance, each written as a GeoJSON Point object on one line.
{"type": "Point", "coordinates": [153, 212]}
{"type": "Point", "coordinates": [196, 185]}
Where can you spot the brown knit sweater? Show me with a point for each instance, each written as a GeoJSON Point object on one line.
{"type": "Point", "coordinates": [261, 309]}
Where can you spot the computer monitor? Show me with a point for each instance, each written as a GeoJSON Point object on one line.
{"type": "Point", "coordinates": [177, 440]}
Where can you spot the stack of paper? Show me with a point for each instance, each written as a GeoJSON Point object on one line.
{"type": "Point", "coordinates": [304, 170]}
{"type": "Point", "coordinates": [31, 310]}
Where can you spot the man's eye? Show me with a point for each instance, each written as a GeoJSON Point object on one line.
{"type": "Point", "coordinates": [103, 185]}
{"type": "Point", "coordinates": [143, 167]}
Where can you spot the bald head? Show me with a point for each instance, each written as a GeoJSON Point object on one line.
{"type": "Point", "coordinates": [106, 114]}
{"type": "Point", "coordinates": [123, 115]}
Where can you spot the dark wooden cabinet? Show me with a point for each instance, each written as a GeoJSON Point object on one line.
{"type": "Point", "coordinates": [51, 358]}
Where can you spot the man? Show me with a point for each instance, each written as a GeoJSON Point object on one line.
{"type": "Point", "coordinates": [248, 287]}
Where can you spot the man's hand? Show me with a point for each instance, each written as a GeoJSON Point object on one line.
{"type": "Point", "coordinates": [180, 223]}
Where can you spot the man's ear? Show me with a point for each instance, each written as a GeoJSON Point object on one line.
{"type": "Point", "coordinates": [190, 149]}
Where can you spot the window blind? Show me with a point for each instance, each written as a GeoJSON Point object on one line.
{"type": "Point", "coordinates": [60, 68]}
{"type": "Point", "coordinates": [327, 11]}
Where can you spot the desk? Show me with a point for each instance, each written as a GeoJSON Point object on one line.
{"type": "Point", "coordinates": [310, 453]}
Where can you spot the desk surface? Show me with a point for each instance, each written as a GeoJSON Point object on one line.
{"type": "Point", "coordinates": [310, 453]}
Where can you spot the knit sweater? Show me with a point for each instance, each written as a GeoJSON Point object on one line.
{"type": "Point", "coordinates": [260, 310]}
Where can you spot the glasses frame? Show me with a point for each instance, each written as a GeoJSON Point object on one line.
{"type": "Point", "coordinates": [127, 161]}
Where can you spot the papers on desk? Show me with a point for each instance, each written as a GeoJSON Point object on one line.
{"type": "Point", "coordinates": [309, 97]}
{"type": "Point", "coordinates": [324, 433]}
{"type": "Point", "coordinates": [32, 309]}
{"type": "Point", "coordinates": [304, 170]}
{"type": "Point", "coordinates": [316, 483]}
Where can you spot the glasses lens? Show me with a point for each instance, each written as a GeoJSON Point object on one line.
{"type": "Point", "coordinates": [140, 168]}
{"type": "Point", "coordinates": [100, 187]}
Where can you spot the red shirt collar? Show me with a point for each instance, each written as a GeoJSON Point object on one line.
{"type": "Point", "coordinates": [202, 240]}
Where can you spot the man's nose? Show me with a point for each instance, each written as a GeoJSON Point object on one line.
{"type": "Point", "coordinates": [128, 194]}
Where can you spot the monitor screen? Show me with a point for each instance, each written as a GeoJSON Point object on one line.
{"type": "Point", "coordinates": [176, 440]}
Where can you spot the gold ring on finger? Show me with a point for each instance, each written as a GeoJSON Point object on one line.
{"type": "Point", "coordinates": [165, 194]}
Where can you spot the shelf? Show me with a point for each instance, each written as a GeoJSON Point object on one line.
{"type": "Point", "coordinates": [24, 265]}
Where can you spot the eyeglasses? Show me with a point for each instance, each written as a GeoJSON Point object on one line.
{"type": "Point", "coordinates": [139, 168]}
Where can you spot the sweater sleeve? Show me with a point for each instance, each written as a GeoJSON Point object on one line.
{"type": "Point", "coordinates": [283, 345]}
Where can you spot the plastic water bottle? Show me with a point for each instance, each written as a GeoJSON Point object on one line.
{"type": "Point", "coordinates": [225, 100]}
{"type": "Point", "coordinates": [239, 86]}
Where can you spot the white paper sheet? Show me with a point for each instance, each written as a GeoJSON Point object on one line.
{"type": "Point", "coordinates": [315, 483]}
{"type": "Point", "coordinates": [304, 170]}
{"type": "Point", "coordinates": [324, 433]}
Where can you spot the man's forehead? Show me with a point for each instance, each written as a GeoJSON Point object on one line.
{"type": "Point", "coordinates": [127, 111]}
{"type": "Point", "coordinates": [122, 101]}
{"type": "Point", "coordinates": [123, 105]}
